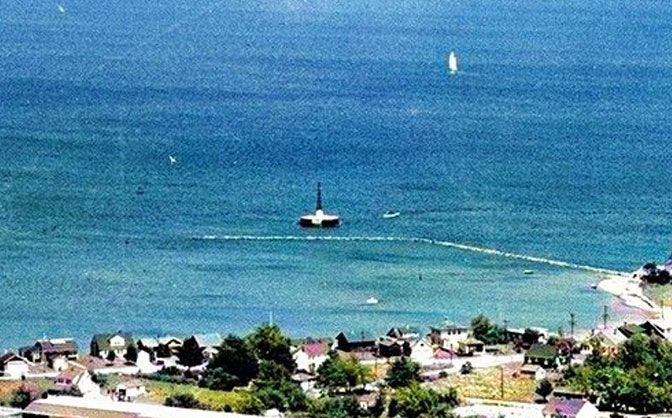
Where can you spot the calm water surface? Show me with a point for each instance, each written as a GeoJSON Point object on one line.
{"type": "Point", "coordinates": [553, 142]}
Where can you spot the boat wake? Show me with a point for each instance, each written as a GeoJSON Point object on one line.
{"type": "Point", "coordinates": [449, 244]}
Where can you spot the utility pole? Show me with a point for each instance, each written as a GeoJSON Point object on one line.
{"type": "Point", "coordinates": [605, 317]}
{"type": "Point", "coordinates": [501, 382]}
{"type": "Point", "coordinates": [572, 322]}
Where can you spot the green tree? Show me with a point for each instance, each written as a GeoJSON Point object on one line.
{"type": "Point", "coordinates": [22, 397]}
{"type": "Point", "coordinates": [638, 378]}
{"type": "Point", "coordinates": [236, 357]}
{"type": "Point", "coordinates": [250, 405]}
{"type": "Point", "coordinates": [544, 389]}
{"type": "Point", "coordinates": [183, 400]}
{"type": "Point", "coordinates": [111, 356]}
{"type": "Point", "coordinates": [275, 389]}
{"type": "Point", "coordinates": [218, 379]}
{"type": "Point", "coordinates": [402, 373]}
{"type": "Point", "coordinates": [271, 344]}
{"type": "Point", "coordinates": [416, 401]}
{"type": "Point", "coordinates": [486, 331]}
{"type": "Point", "coordinates": [337, 407]}
{"type": "Point", "coordinates": [336, 373]}
{"type": "Point", "coordinates": [131, 353]}
{"type": "Point", "coordinates": [190, 354]}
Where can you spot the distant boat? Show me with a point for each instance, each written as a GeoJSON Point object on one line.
{"type": "Point", "coordinates": [390, 214]}
{"type": "Point", "coordinates": [372, 301]}
{"type": "Point", "coordinates": [319, 219]}
{"type": "Point", "coordinates": [528, 272]}
{"type": "Point", "coordinates": [61, 9]}
{"type": "Point", "coordinates": [452, 62]}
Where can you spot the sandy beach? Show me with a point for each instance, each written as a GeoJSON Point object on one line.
{"type": "Point", "coordinates": [629, 290]}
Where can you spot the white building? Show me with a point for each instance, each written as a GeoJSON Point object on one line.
{"type": "Point", "coordinates": [130, 390]}
{"type": "Point", "coordinates": [104, 344]}
{"type": "Point", "coordinates": [309, 357]}
{"type": "Point", "coordinates": [14, 366]}
{"type": "Point", "coordinates": [422, 351]}
{"type": "Point", "coordinates": [448, 336]}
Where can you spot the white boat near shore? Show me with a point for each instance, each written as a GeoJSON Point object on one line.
{"type": "Point", "coordinates": [372, 301]}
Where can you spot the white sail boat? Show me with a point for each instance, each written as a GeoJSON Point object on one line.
{"type": "Point", "coordinates": [452, 62]}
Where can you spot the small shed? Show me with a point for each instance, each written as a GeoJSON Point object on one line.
{"type": "Point", "coordinates": [130, 390]}
{"type": "Point", "coordinates": [533, 371]}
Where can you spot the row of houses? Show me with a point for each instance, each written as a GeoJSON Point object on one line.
{"type": "Point", "coordinates": [54, 355]}
{"type": "Point", "coordinates": [438, 343]}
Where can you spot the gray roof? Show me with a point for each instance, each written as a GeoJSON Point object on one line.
{"type": "Point", "coordinates": [208, 340]}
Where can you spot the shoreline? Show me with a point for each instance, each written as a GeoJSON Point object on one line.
{"type": "Point", "coordinates": [629, 291]}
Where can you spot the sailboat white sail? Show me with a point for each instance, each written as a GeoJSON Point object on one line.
{"type": "Point", "coordinates": [452, 62]}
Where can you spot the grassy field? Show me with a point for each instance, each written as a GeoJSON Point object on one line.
{"type": "Point", "coordinates": [485, 384]}
{"type": "Point", "coordinates": [8, 387]}
{"type": "Point", "coordinates": [212, 399]}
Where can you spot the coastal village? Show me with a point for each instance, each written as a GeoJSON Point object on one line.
{"type": "Point", "coordinates": [477, 370]}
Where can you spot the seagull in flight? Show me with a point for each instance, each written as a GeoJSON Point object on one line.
{"type": "Point", "coordinates": [172, 159]}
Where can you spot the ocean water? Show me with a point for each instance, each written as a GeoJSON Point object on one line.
{"type": "Point", "coordinates": [552, 142]}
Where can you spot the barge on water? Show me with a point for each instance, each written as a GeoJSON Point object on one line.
{"type": "Point", "coordinates": [319, 219]}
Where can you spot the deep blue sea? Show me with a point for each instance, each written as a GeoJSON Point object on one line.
{"type": "Point", "coordinates": [553, 141]}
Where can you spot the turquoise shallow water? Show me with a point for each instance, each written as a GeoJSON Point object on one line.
{"type": "Point", "coordinates": [551, 142]}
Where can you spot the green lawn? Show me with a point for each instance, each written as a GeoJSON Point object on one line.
{"type": "Point", "coordinates": [212, 399]}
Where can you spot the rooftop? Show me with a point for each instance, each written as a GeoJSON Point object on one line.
{"type": "Point", "coordinates": [68, 406]}
{"type": "Point", "coordinates": [542, 351]}
{"type": "Point", "coordinates": [564, 407]}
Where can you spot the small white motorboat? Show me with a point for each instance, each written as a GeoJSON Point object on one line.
{"type": "Point", "coordinates": [390, 214]}
{"type": "Point", "coordinates": [372, 301]}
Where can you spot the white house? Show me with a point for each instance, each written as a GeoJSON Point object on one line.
{"type": "Point", "coordinates": [448, 336]}
{"type": "Point", "coordinates": [104, 344]}
{"type": "Point", "coordinates": [130, 390]}
{"type": "Point", "coordinates": [14, 366]}
{"type": "Point", "coordinates": [421, 351]}
{"type": "Point", "coordinates": [309, 357]}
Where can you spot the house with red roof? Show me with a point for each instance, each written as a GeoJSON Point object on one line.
{"type": "Point", "coordinates": [569, 408]}
{"type": "Point", "coordinates": [310, 356]}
